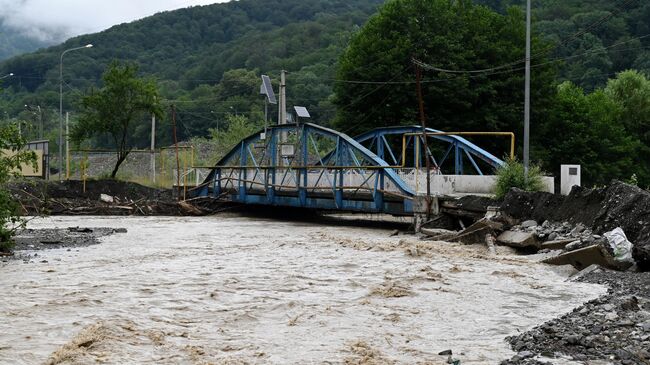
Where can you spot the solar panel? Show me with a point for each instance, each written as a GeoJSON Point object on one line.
{"type": "Point", "coordinates": [267, 89]}
{"type": "Point", "coordinates": [301, 112]}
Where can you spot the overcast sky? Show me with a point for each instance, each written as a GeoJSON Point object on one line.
{"type": "Point", "coordinates": [56, 20]}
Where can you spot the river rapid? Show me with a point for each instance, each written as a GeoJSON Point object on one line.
{"type": "Point", "coordinates": [238, 290]}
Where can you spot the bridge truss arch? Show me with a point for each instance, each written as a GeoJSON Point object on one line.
{"type": "Point", "coordinates": [310, 166]}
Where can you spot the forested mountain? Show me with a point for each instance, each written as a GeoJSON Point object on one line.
{"type": "Point", "coordinates": [13, 43]}
{"type": "Point", "coordinates": [192, 52]}
{"type": "Point", "coordinates": [596, 37]}
{"type": "Point", "coordinates": [208, 59]}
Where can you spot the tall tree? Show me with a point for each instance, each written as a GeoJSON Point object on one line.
{"type": "Point", "coordinates": [123, 101]}
{"type": "Point", "coordinates": [591, 136]}
{"type": "Point", "coordinates": [453, 35]}
{"type": "Point", "coordinates": [631, 90]}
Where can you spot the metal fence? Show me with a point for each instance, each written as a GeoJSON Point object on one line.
{"type": "Point", "coordinates": [164, 167]}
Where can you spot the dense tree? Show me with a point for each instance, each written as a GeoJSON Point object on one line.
{"type": "Point", "coordinates": [451, 35]}
{"type": "Point", "coordinates": [631, 91]}
{"type": "Point", "coordinates": [591, 136]}
{"type": "Point", "coordinates": [115, 109]}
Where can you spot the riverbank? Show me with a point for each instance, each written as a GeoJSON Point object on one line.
{"type": "Point", "coordinates": [104, 197]}
{"type": "Point", "coordinates": [28, 242]}
{"type": "Point", "coordinates": [612, 329]}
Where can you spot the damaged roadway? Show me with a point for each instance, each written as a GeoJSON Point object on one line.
{"type": "Point", "coordinates": [580, 230]}
{"type": "Point", "coordinates": [601, 210]}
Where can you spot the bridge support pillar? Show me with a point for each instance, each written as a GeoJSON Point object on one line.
{"type": "Point", "coordinates": [424, 207]}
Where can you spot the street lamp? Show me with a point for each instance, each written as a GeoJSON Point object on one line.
{"type": "Point", "coordinates": [61, 105]}
{"type": "Point", "coordinates": [7, 75]}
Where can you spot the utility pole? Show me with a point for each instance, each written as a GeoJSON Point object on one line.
{"type": "Point", "coordinates": [40, 122]}
{"type": "Point", "coordinates": [67, 145]}
{"type": "Point", "coordinates": [178, 164]}
{"type": "Point", "coordinates": [153, 148]}
{"type": "Point", "coordinates": [61, 106]}
{"type": "Point", "coordinates": [418, 76]}
{"type": "Point", "coordinates": [282, 110]}
{"type": "Point", "coordinates": [282, 114]}
{"type": "Point", "coordinates": [527, 95]}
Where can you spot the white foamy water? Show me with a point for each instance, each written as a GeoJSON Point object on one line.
{"type": "Point", "coordinates": [234, 290]}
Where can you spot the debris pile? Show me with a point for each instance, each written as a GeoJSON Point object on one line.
{"type": "Point", "coordinates": [602, 210]}
{"type": "Point", "coordinates": [103, 197]}
{"type": "Point", "coordinates": [608, 226]}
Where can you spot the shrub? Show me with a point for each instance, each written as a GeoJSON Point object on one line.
{"type": "Point", "coordinates": [511, 175]}
{"type": "Point", "coordinates": [12, 157]}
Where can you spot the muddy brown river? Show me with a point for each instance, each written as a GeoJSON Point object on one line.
{"type": "Point", "coordinates": [235, 290]}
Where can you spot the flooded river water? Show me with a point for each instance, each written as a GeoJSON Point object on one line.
{"type": "Point", "coordinates": [235, 290]}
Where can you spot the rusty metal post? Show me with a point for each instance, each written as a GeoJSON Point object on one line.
{"type": "Point", "coordinates": [418, 74]}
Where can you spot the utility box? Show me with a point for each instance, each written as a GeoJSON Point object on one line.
{"type": "Point", "coordinates": [569, 177]}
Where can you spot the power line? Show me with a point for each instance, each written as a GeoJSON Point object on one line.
{"type": "Point", "coordinates": [497, 72]}
{"type": "Point", "coordinates": [566, 40]}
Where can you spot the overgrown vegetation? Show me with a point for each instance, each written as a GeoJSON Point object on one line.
{"type": "Point", "coordinates": [512, 175]}
{"type": "Point", "coordinates": [12, 157]}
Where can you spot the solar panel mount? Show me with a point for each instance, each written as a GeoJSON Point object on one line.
{"type": "Point", "coordinates": [267, 89]}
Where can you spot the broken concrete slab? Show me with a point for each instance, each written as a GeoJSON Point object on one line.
{"type": "Point", "coordinates": [518, 239]}
{"type": "Point", "coordinates": [476, 232]}
{"type": "Point", "coordinates": [529, 224]}
{"type": "Point", "coordinates": [106, 198]}
{"type": "Point", "coordinates": [584, 257]}
{"type": "Point", "coordinates": [556, 244]}
{"type": "Point", "coordinates": [438, 234]}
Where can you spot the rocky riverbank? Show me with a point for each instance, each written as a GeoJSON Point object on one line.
{"type": "Point", "coordinates": [28, 241]}
{"type": "Point", "coordinates": [613, 329]}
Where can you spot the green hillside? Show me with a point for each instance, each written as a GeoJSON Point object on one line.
{"type": "Point", "coordinates": [189, 50]}
{"type": "Point", "coordinates": [208, 59]}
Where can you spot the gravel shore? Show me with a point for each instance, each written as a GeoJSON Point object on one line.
{"type": "Point", "coordinates": [613, 329]}
{"type": "Point", "coordinates": [29, 240]}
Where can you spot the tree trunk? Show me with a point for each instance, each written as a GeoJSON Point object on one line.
{"type": "Point", "coordinates": [121, 157]}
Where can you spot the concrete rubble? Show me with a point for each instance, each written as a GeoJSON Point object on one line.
{"type": "Point", "coordinates": [573, 229]}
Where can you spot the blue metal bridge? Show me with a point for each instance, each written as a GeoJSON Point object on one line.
{"type": "Point", "coordinates": [310, 166]}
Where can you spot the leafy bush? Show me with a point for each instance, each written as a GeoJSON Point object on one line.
{"type": "Point", "coordinates": [511, 175]}
{"type": "Point", "coordinates": [11, 158]}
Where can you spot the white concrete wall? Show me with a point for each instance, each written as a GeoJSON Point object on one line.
{"type": "Point", "coordinates": [460, 184]}
{"type": "Point", "coordinates": [416, 179]}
